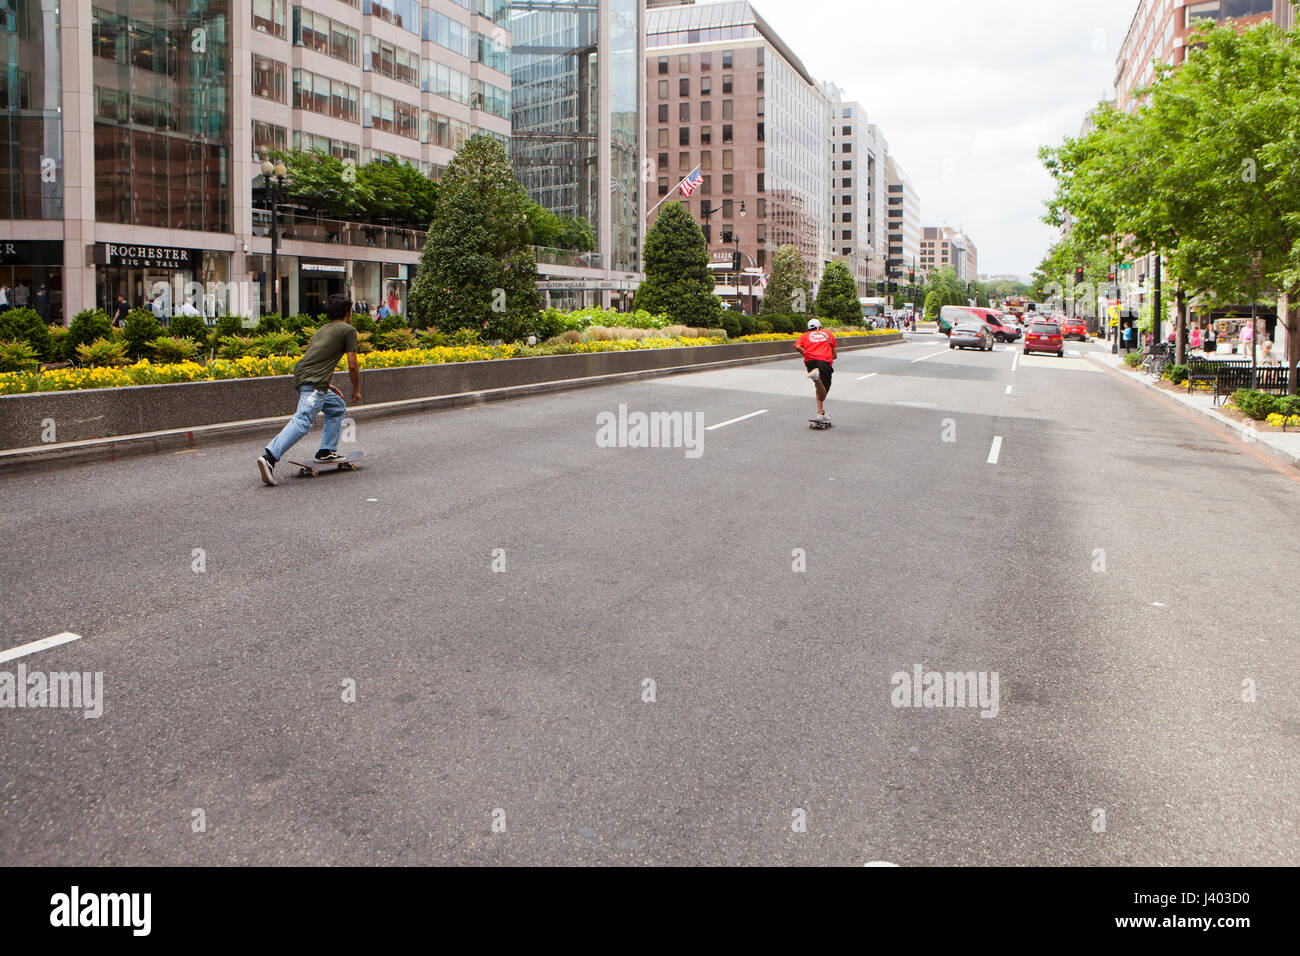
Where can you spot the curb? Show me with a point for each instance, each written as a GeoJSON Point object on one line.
{"type": "Point", "coordinates": [184, 439]}
{"type": "Point", "coordinates": [1223, 421]}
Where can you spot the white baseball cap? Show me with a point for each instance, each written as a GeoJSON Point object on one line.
{"type": "Point", "coordinates": [814, 324]}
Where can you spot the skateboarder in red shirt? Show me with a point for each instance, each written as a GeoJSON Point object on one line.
{"type": "Point", "coordinates": [819, 349]}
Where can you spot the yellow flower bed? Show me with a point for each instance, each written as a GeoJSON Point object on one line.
{"type": "Point", "coordinates": [1277, 420]}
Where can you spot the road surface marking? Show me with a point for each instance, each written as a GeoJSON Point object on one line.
{"type": "Point", "coordinates": [43, 644]}
{"type": "Point", "coordinates": [1008, 391]}
{"type": "Point", "coordinates": [924, 357]}
{"type": "Point", "coordinates": [872, 375]}
{"type": "Point", "coordinates": [732, 421]}
{"type": "Point", "coordinates": [1015, 361]}
{"type": "Point", "coordinates": [995, 450]}
{"type": "Point", "coordinates": [916, 404]}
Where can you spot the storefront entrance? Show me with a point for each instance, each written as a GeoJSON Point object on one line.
{"type": "Point", "coordinates": [317, 281]}
{"type": "Point", "coordinates": [31, 273]}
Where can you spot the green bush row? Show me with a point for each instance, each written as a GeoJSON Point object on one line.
{"type": "Point", "coordinates": [1259, 405]}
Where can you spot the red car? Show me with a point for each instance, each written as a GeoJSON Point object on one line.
{"type": "Point", "coordinates": [1045, 337]}
{"type": "Point", "coordinates": [1070, 328]}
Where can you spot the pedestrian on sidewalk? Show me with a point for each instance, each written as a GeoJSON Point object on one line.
{"type": "Point", "coordinates": [819, 349]}
{"type": "Point", "coordinates": [311, 380]}
{"type": "Point", "coordinates": [1196, 338]}
{"type": "Point", "coordinates": [121, 310]}
{"type": "Point", "coordinates": [1266, 356]}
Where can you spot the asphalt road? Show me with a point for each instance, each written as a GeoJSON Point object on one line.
{"type": "Point", "coordinates": [1120, 568]}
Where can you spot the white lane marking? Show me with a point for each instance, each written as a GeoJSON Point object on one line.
{"type": "Point", "coordinates": [1008, 391]}
{"type": "Point", "coordinates": [916, 404]}
{"type": "Point", "coordinates": [732, 421]}
{"type": "Point", "coordinates": [924, 357]}
{"type": "Point", "coordinates": [995, 450]}
{"type": "Point", "coordinates": [864, 377]}
{"type": "Point", "coordinates": [1015, 361]}
{"type": "Point", "coordinates": [43, 644]}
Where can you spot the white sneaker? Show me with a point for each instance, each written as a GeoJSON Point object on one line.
{"type": "Point", "coordinates": [815, 374]}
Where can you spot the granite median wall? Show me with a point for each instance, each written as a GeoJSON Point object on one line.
{"type": "Point", "coordinates": [114, 412]}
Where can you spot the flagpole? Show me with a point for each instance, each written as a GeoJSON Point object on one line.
{"type": "Point", "coordinates": [664, 200]}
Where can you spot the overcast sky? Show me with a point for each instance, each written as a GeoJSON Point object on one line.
{"type": "Point", "coordinates": [971, 90]}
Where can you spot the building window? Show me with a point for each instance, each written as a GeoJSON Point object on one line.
{"type": "Point", "coordinates": [846, 148]}
{"type": "Point", "coordinates": [726, 83]}
{"type": "Point", "coordinates": [663, 89]}
{"type": "Point", "coordinates": [727, 159]}
{"type": "Point", "coordinates": [706, 85]}
{"type": "Point", "coordinates": [706, 187]}
{"type": "Point", "coordinates": [760, 55]}
{"type": "Point", "coordinates": [761, 158]}
{"type": "Point", "coordinates": [706, 135]}
{"type": "Point", "coordinates": [315, 31]}
{"type": "Point", "coordinates": [663, 66]}
{"type": "Point", "coordinates": [684, 160]}
{"type": "Point", "coordinates": [269, 16]}
{"type": "Point", "coordinates": [762, 132]}
{"type": "Point", "coordinates": [684, 86]}
{"type": "Point", "coordinates": [762, 212]}
{"type": "Point", "coordinates": [762, 105]}
{"type": "Point", "coordinates": [846, 182]}
{"type": "Point", "coordinates": [726, 109]}
{"type": "Point", "coordinates": [684, 111]}
{"type": "Point", "coordinates": [727, 205]}
{"type": "Point", "coordinates": [760, 82]}
{"type": "Point", "coordinates": [706, 159]}
{"type": "Point", "coordinates": [846, 217]}
{"type": "Point", "coordinates": [663, 186]}
{"type": "Point", "coordinates": [847, 165]}
{"type": "Point", "coordinates": [762, 178]}
{"type": "Point", "coordinates": [684, 63]}
{"type": "Point", "coordinates": [726, 59]}
{"type": "Point", "coordinates": [663, 112]}
{"type": "Point", "coordinates": [846, 234]}
{"type": "Point", "coordinates": [706, 110]}
{"type": "Point", "coordinates": [847, 200]}
{"type": "Point", "coordinates": [270, 79]}
{"type": "Point", "coordinates": [727, 182]}
{"type": "Point", "coordinates": [726, 133]}
{"type": "Point", "coordinates": [684, 136]}
{"type": "Point", "coordinates": [663, 161]}
{"type": "Point", "coordinates": [706, 62]}
{"type": "Point", "coordinates": [266, 137]}
{"type": "Point", "coordinates": [663, 139]}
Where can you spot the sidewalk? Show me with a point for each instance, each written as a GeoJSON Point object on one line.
{"type": "Point", "coordinates": [1284, 446]}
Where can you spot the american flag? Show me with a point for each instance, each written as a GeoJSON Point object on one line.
{"type": "Point", "coordinates": [691, 183]}
{"type": "Point", "coordinates": [613, 185]}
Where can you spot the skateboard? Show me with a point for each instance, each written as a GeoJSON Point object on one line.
{"type": "Point", "coordinates": [820, 424]}
{"type": "Point", "coordinates": [310, 469]}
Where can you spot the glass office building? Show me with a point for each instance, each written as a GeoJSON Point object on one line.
{"type": "Point", "coordinates": [575, 119]}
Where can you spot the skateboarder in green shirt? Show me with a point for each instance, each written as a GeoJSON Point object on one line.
{"type": "Point", "coordinates": [311, 379]}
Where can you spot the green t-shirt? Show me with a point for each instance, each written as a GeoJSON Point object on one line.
{"type": "Point", "coordinates": [329, 344]}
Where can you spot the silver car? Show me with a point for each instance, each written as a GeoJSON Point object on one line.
{"type": "Point", "coordinates": [969, 334]}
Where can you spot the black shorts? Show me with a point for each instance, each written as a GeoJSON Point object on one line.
{"type": "Point", "coordinates": [826, 369]}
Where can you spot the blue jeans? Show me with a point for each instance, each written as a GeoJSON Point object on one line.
{"type": "Point", "coordinates": [310, 403]}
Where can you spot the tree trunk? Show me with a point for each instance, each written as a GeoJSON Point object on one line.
{"type": "Point", "coordinates": [1180, 333]}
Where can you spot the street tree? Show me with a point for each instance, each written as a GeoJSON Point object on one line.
{"type": "Point", "coordinates": [677, 279]}
{"type": "Point", "coordinates": [477, 270]}
{"type": "Point", "coordinates": [787, 285]}
{"type": "Point", "coordinates": [837, 295]}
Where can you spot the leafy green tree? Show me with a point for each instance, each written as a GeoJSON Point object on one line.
{"type": "Point", "coordinates": [324, 183]}
{"type": "Point", "coordinates": [787, 285]}
{"type": "Point", "coordinates": [677, 279]}
{"type": "Point", "coordinates": [561, 232]}
{"type": "Point", "coordinates": [398, 193]}
{"type": "Point", "coordinates": [140, 328]}
{"type": "Point", "coordinates": [837, 296]}
{"type": "Point", "coordinates": [477, 269]}
{"type": "Point", "coordinates": [933, 303]}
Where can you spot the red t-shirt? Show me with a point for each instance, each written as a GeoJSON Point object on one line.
{"type": "Point", "coordinates": [818, 345]}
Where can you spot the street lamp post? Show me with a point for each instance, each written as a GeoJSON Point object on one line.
{"type": "Point", "coordinates": [708, 234]}
{"type": "Point", "coordinates": [273, 176]}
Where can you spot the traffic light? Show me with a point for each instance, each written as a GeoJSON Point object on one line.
{"type": "Point", "coordinates": [1078, 274]}
{"type": "Point", "coordinates": [735, 262]}
{"type": "Point", "coordinates": [911, 276]}
{"type": "Point", "coordinates": [1110, 276]}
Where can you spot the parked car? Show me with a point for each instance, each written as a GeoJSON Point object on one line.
{"type": "Point", "coordinates": [1045, 337]}
{"type": "Point", "coordinates": [1074, 328]}
{"type": "Point", "coordinates": [971, 333]}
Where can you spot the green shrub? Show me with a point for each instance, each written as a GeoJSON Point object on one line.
{"type": "Point", "coordinates": [297, 322]}
{"type": "Point", "coordinates": [764, 327]}
{"type": "Point", "coordinates": [87, 327]}
{"type": "Point", "coordinates": [1133, 359]}
{"type": "Point", "coordinates": [1289, 405]}
{"type": "Point", "coordinates": [26, 325]}
{"type": "Point", "coordinates": [304, 334]}
{"type": "Point", "coordinates": [169, 348]}
{"type": "Point", "coordinates": [391, 323]}
{"type": "Point", "coordinates": [731, 323]}
{"type": "Point", "coordinates": [465, 337]}
{"type": "Point", "coordinates": [364, 343]}
{"type": "Point", "coordinates": [235, 346]}
{"type": "Point", "coordinates": [58, 340]}
{"type": "Point", "coordinates": [268, 325]}
{"type": "Point", "coordinates": [364, 323]}
{"type": "Point", "coordinates": [229, 325]}
{"type": "Point", "coordinates": [18, 357]}
{"type": "Point", "coordinates": [140, 328]}
{"type": "Point", "coordinates": [274, 343]}
{"type": "Point", "coordinates": [431, 339]}
{"type": "Point", "coordinates": [748, 324]}
{"type": "Point", "coordinates": [103, 352]}
{"type": "Point", "coordinates": [1254, 404]}
{"type": "Point", "coordinates": [722, 333]}
{"type": "Point", "coordinates": [190, 327]}
{"type": "Point", "coordinates": [1175, 373]}
{"type": "Point", "coordinates": [396, 340]}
